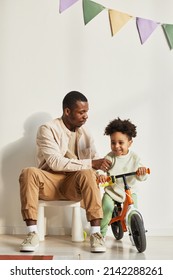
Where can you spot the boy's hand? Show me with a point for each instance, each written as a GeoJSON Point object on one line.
{"type": "Point", "coordinates": [101, 179]}
{"type": "Point", "coordinates": [141, 171]}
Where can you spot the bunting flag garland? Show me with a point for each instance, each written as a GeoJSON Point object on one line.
{"type": "Point", "coordinates": [91, 10]}
{"type": "Point", "coordinates": [65, 4]}
{"type": "Point", "coordinates": [168, 29]}
{"type": "Point", "coordinates": [117, 20]}
{"type": "Point", "coordinates": [145, 27]}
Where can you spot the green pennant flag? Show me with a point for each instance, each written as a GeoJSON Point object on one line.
{"type": "Point", "coordinates": [91, 10]}
{"type": "Point", "coordinates": [168, 29]}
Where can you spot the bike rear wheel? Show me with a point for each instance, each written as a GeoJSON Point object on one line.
{"type": "Point", "coordinates": [117, 227]}
{"type": "Point", "coordinates": [138, 232]}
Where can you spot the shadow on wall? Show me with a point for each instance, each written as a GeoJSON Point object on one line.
{"type": "Point", "coordinates": [15, 157]}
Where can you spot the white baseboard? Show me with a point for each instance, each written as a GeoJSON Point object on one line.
{"type": "Point", "coordinates": [160, 232]}
{"type": "Point", "coordinates": [10, 230]}
{"type": "Point", "coordinates": [152, 232]}
{"type": "Point", "coordinates": [67, 231]}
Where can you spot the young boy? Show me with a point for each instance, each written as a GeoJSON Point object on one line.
{"type": "Point", "coordinates": [123, 161]}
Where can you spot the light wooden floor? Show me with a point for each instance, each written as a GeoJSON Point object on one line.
{"type": "Point", "coordinates": [158, 248]}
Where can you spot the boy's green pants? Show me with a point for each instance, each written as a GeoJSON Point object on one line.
{"type": "Point", "coordinates": [108, 206]}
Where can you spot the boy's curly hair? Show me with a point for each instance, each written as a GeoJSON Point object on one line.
{"type": "Point", "coordinates": [123, 126]}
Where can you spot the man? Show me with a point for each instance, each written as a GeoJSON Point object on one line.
{"type": "Point", "coordinates": [67, 162]}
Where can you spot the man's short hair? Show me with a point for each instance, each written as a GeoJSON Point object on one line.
{"type": "Point", "coordinates": [71, 98]}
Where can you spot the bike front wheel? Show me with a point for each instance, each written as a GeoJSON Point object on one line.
{"type": "Point", "coordinates": [138, 232]}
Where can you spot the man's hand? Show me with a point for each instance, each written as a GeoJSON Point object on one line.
{"type": "Point", "coordinates": [102, 163]}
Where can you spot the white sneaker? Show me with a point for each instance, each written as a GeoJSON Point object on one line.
{"type": "Point", "coordinates": [97, 243]}
{"type": "Point", "coordinates": [30, 243]}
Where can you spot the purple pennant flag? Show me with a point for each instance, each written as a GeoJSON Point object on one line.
{"type": "Point", "coordinates": [145, 28]}
{"type": "Point", "coordinates": [65, 4]}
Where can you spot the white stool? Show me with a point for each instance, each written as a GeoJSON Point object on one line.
{"type": "Point", "coordinates": [77, 230]}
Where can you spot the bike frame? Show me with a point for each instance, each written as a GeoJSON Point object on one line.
{"type": "Point", "coordinates": [128, 205]}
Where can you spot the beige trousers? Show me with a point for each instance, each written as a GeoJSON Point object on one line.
{"type": "Point", "coordinates": [38, 184]}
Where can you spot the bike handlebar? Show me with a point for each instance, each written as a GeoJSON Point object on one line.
{"type": "Point", "coordinates": [113, 177]}
{"type": "Point", "coordinates": [130, 174]}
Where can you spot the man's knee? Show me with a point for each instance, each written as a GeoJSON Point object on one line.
{"type": "Point", "coordinates": [27, 173]}
{"type": "Point", "coordinates": [87, 175]}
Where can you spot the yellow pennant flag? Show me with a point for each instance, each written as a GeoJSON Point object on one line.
{"type": "Point", "coordinates": [117, 20]}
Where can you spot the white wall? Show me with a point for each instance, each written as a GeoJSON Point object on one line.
{"type": "Point", "coordinates": [45, 54]}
